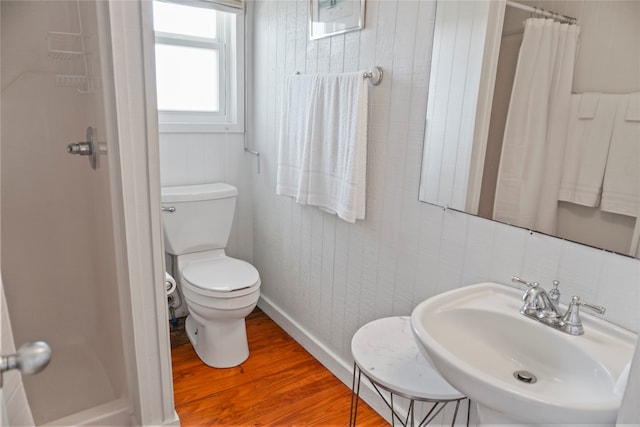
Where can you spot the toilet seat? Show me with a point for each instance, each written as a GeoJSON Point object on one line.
{"type": "Point", "coordinates": [221, 277]}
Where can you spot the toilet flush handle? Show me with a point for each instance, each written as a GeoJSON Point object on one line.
{"type": "Point", "coordinates": [168, 209]}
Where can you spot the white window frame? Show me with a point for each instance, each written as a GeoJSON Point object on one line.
{"type": "Point", "coordinates": [230, 46]}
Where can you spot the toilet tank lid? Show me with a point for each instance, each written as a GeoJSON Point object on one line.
{"type": "Point", "coordinates": [197, 192]}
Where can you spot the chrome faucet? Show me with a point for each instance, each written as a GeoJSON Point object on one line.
{"type": "Point", "coordinates": [538, 304]}
{"type": "Point", "coordinates": [543, 306]}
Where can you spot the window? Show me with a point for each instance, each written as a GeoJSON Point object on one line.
{"type": "Point", "coordinates": [199, 66]}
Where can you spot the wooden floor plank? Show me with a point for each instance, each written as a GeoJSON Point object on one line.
{"type": "Point", "coordinates": [279, 385]}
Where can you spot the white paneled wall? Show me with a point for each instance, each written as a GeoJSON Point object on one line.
{"type": "Point", "coordinates": [324, 278]}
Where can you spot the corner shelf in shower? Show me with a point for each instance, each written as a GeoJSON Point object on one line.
{"type": "Point", "coordinates": [67, 46]}
{"type": "Point", "coordinates": [70, 80]}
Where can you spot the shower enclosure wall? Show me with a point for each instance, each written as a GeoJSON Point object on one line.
{"type": "Point", "coordinates": [64, 263]}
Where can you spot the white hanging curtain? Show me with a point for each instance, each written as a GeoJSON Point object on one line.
{"type": "Point", "coordinates": [536, 127]}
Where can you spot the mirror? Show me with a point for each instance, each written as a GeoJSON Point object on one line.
{"type": "Point", "coordinates": [474, 58]}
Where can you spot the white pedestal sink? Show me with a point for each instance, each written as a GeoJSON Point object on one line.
{"type": "Point", "coordinates": [518, 370]}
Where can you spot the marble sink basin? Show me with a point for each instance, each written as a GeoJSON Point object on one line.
{"type": "Point", "coordinates": [517, 368]}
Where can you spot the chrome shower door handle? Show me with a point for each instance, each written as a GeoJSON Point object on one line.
{"type": "Point", "coordinates": [31, 358]}
{"type": "Point", "coordinates": [82, 148]}
{"type": "Point", "coordinates": [86, 148]}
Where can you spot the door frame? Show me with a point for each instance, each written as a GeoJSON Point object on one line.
{"type": "Point", "coordinates": [132, 130]}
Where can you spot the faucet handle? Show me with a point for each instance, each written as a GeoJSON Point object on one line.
{"type": "Point", "coordinates": [554, 293]}
{"type": "Point", "coordinates": [595, 308]}
{"type": "Point", "coordinates": [571, 319]}
{"type": "Point", "coordinates": [517, 279]}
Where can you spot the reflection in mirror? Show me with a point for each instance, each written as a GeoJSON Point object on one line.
{"type": "Point", "coordinates": [505, 141]}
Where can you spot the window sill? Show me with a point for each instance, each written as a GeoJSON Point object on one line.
{"type": "Point", "coordinates": [200, 128]}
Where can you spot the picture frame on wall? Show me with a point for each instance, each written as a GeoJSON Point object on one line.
{"type": "Point", "coordinates": [331, 17]}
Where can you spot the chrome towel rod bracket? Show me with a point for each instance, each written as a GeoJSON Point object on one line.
{"type": "Point", "coordinates": [375, 75]}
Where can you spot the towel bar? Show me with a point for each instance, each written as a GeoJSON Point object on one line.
{"type": "Point", "coordinates": [375, 74]}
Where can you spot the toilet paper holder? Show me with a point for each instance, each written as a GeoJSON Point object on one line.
{"type": "Point", "coordinates": [170, 283]}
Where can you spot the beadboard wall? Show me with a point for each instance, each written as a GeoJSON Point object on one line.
{"type": "Point", "coordinates": [323, 278]}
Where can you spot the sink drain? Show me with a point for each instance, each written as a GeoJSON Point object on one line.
{"type": "Point", "coordinates": [525, 377]}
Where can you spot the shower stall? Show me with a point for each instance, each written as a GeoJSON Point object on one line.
{"type": "Point", "coordinates": [66, 266]}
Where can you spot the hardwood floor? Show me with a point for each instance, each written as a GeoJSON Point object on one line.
{"type": "Point", "coordinates": [279, 385]}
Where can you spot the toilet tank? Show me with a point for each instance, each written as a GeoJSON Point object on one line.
{"type": "Point", "coordinates": [197, 217]}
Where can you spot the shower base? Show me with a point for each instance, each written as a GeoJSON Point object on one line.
{"type": "Point", "coordinates": [74, 382]}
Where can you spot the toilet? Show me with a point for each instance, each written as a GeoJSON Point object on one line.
{"type": "Point", "coordinates": [220, 291]}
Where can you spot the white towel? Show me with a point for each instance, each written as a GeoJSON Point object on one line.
{"type": "Point", "coordinates": [335, 155]}
{"type": "Point", "coordinates": [621, 187]}
{"type": "Point", "coordinates": [585, 157]}
{"type": "Point", "coordinates": [294, 117]}
{"type": "Point", "coordinates": [323, 143]}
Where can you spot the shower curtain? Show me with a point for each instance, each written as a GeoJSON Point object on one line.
{"type": "Point", "coordinates": [536, 127]}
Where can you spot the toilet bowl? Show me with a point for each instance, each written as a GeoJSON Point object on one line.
{"type": "Point", "coordinates": [220, 291]}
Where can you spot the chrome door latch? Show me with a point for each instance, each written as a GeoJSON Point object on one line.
{"type": "Point", "coordinates": [31, 358]}
{"type": "Point", "coordinates": [90, 148]}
